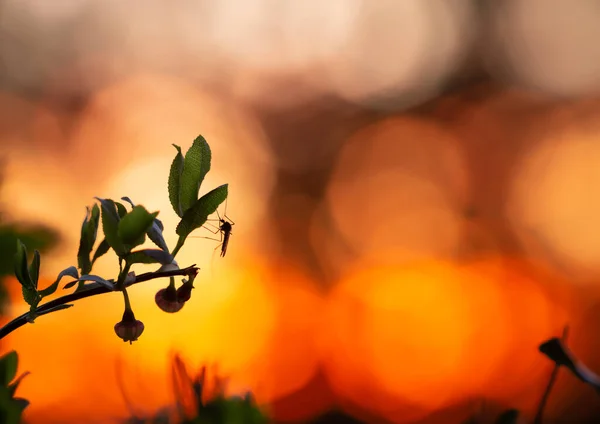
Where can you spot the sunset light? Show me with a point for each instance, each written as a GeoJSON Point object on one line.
{"type": "Point", "coordinates": [407, 189]}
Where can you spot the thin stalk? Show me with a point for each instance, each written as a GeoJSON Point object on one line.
{"type": "Point", "coordinates": [540, 411]}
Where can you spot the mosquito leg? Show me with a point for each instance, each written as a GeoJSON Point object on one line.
{"type": "Point", "coordinates": [216, 228]}
{"type": "Point", "coordinates": [229, 219]}
{"type": "Point", "coordinates": [208, 238]}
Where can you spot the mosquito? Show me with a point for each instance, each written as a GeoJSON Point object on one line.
{"type": "Point", "coordinates": [224, 229]}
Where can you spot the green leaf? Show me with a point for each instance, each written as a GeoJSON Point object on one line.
{"type": "Point", "coordinates": [34, 268]}
{"type": "Point", "coordinates": [11, 409]}
{"type": "Point", "coordinates": [21, 404]}
{"type": "Point", "coordinates": [155, 234]}
{"type": "Point", "coordinates": [97, 279]}
{"type": "Point", "coordinates": [155, 231]}
{"type": "Point", "coordinates": [150, 256]}
{"type": "Point", "coordinates": [70, 271]}
{"type": "Point", "coordinates": [110, 226]}
{"type": "Point", "coordinates": [31, 296]}
{"type": "Point", "coordinates": [121, 209]}
{"type": "Point", "coordinates": [134, 225]}
{"type": "Point", "coordinates": [89, 232]}
{"type": "Point", "coordinates": [128, 200]}
{"type": "Point", "coordinates": [70, 284]}
{"type": "Point", "coordinates": [21, 269]}
{"type": "Point", "coordinates": [195, 167]}
{"type": "Point", "coordinates": [103, 247]}
{"type": "Point", "coordinates": [197, 215]}
{"type": "Point", "coordinates": [8, 367]}
{"type": "Point", "coordinates": [175, 182]}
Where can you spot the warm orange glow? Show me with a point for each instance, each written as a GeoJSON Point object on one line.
{"type": "Point", "coordinates": [398, 266]}
{"type": "Point", "coordinates": [290, 357]}
{"type": "Point", "coordinates": [417, 328]}
{"type": "Point", "coordinates": [432, 334]}
{"type": "Point", "coordinates": [227, 323]}
{"type": "Point", "coordinates": [532, 314]}
{"type": "Point", "coordinates": [344, 350]}
{"type": "Point", "coordinates": [554, 201]}
{"type": "Point", "coordinates": [255, 324]}
{"type": "Point", "coordinates": [390, 192]}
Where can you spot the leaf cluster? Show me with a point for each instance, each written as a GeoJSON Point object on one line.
{"type": "Point", "coordinates": [125, 226]}
{"type": "Point", "coordinates": [11, 407]}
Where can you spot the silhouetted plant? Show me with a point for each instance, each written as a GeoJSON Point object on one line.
{"type": "Point", "coordinates": [125, 229]}
{"type": "Point", "coordinates": [11, 407]}
{"type": "Point", "coordinates": [196, 405]}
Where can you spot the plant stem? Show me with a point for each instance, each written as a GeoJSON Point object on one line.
{"type": "Point", "coordinates": [123, 276]}
{"type": "Point", "coordinates": [82, 294]}
{"type": "Point", "coordinates": [180, 243]}
{"type": "Point", "coordinates": [126, 297]}
{"type": "Point", "coordinates": [551, 382]}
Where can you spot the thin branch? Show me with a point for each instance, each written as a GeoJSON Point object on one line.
{"type": "Point", "coordinates": [22, 319]}
{"type": "Point", "coordinates": [551, 382]}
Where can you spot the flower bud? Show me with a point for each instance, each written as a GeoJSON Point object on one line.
{"type": "Point", "coordinates": [167, 300]}
{"type": "Point", "coordinates": [129, 328]}
{"type": "Point", "coordinates": [184, 292]}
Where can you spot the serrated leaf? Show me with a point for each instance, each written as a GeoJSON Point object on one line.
{"type": "Point", "coordinates": [195, 167]}
{"type": "Point", "coordinates": [54, 309]}
{"type": "Point", "coordinates": [121, 209]}
{"type": "Point", "coordinates": [197, 215]}
{"type": "Point", "coordinates": [103, 247]}
{"type": "Point", "coordinates": [21, 268]}
{"type": "Point", "coordinates": [175, 182]}
{"type": "Point", "coordinates": [70, 271]}
{"type": "Point", "coordinates": [155, 234]}
{"type": "Point", "coordinates": [31, 296]}
{"type": "Point", "coordinates": [34, 268]}
{"type": "Point", "coordinates": [110, 226]}
{"type": "Point", "coordinates": [128, 200]}
{"type": "Point", "coordinates": [89, 232]}
{"type": "Point", "coordinates": [8, 367]}
{"type": "Point", "coordinates": [98, 280]}
{"type": "Point", "coordinates": [155, 231]}
{"type": "Point", "coordinates": [149, 256]}
{"type": "Point", "coordinates": [134, 225]}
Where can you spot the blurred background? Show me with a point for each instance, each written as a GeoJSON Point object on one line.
{"type": "Point", "coordinates": [413, 185]}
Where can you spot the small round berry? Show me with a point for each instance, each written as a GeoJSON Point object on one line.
{"type": "Point", "coordinates": [167, 300]}
{"type": "Point", "coordinates": [184, 292]}
{"type": "Point", "coordinates": [129, 328]}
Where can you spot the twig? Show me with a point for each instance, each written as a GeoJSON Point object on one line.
{"type": "Point", "coordinates": [551, 382]}
{"type": "Point", "coordinates": [22, 319]}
